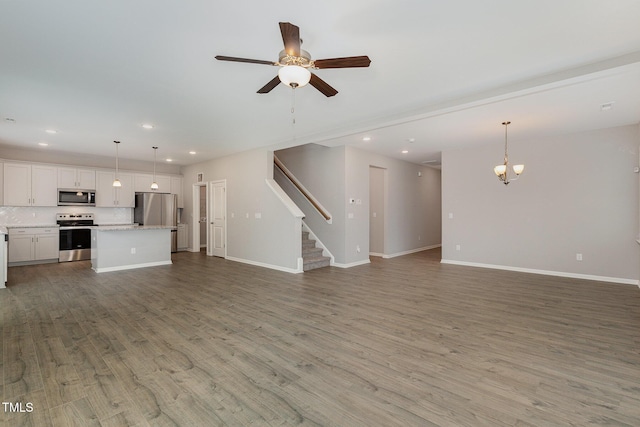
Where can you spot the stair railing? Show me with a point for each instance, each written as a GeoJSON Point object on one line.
{"type": "Point", "coordinates": [307, 195]}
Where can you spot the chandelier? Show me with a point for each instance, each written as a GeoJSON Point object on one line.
{"type": "Point", "coordinates": [502, 171]}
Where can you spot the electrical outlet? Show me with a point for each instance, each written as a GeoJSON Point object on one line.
{"type": "Point", "coordinates": [457, 247]}
{"type": "Point", "coordinates": [578, 257]}
{"type": "Point", "coordinates": [133, 251]}
{"type": "Point", "coordinates": [358, 248]}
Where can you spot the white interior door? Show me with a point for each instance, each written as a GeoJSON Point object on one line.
{"type": "Point", "coordinates": [217, 219]}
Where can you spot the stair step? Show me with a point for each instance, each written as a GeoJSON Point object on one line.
{"type": "Point", "coordinates": [317, 262]}
{"type": "Point", "coordinates": [308, 243]}
{"type": "Point", "coordinates": [312, 252]}
{"type": "Point", "coordinates": [311, 255]}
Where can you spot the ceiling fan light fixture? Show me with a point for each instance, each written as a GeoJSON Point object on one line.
{"type": "Point", "coordinates": [294, 75]}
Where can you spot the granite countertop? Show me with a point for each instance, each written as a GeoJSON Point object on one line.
{"type": "Point", "coordinates": [31, 225]}
{"type": "Point", "coordinates": [124, 227]}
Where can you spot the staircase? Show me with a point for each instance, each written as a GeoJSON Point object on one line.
{"type": "Point", "coordinates": [311, 256]}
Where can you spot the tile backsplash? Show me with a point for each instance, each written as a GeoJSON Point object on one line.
{"type": "Point", "coordinates": [24, 215]}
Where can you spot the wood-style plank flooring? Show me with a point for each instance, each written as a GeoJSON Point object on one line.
{"type": "Point", "coordinates": [400, 342]}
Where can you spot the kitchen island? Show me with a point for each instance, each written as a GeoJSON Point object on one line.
{"type": "Point", "coordinates": [123, 247]}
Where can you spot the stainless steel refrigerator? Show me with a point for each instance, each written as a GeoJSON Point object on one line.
{"type": "Point", "coordinates": [158, 209]}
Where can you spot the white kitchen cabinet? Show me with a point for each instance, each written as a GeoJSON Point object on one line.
{"type": "Point", "coordinates": [33, 244]}
{"type": "Point", "coordinates": [108, 196]}
{"type": "Point", "coordinates": [84, 179]}
{"type": "Point", "coordinates": [143, 181]}
{"type": "Point", "coordinates": [176, 188]}
{"type": "Point", "coordinates": [30, 185]}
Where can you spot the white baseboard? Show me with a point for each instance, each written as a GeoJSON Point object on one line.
{"type": "Point", "coordinates": [351, 264]}
{"type": "Point", "coordinates": [545, 272]}
{"type": "Point", "coordinates": [411, 251]}
{"type": "Point", "coordinates": [265, 265]}
{"type": "Point", "coordinates": [131, 266]}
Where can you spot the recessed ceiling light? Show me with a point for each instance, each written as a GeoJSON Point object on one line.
{"type": "Point", "coordinates": [192, 152]}
{"type": "Point", "coordinates": [43, 144]}
{"type": "Point", "coordinates": [147, 126]}
{"type": "Point", "coordinates": [366, 138]}
{"type": "Point", "coordinates": [51, 131]}
{"type": "Point", "coordinates": [169, 160]}
{"type": "Point", "coordinates": [405, 151]}
{"type": "Point", "coordinates": [411, 140]}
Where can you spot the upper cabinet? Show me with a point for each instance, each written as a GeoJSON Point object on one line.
{"type": "Point", "coordinates": [25, 184]}
{"type": "Point", "coordinates": [30, 185]}
{"type": "Point", "coordinates": [108, 196]}
{"type": "Point", "coordinates": [142, 183]}
{"type": "Point", "coordinates": [84, 179]}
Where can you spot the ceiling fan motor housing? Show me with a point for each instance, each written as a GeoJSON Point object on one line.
{"type": "Point", "coordinates": [304, 60]}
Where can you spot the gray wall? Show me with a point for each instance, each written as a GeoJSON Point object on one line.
{"type": "Point", "coordinates": [336, 175]}
{"type": "Point", "coordinates": [322, 171]}
{"type": "Point", "coordinates": [272, 240]}
{"type": "Point", "coordinates": [377, 202]}
{"type": "Point", "coordinates": [412, 210]}
{"type": "Point", "coordinates": [578, 194]}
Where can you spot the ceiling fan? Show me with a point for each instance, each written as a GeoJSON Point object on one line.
{"type": "Point", "coordinates": [295, 63]}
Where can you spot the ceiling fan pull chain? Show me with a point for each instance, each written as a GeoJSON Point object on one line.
{"type": "Point", "coordinates": [293, 106]}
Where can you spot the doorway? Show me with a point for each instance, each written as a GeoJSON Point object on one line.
{"type": "Point", "coordinates": [199, 217]}
{"type": "Point", "coordinates": [217, 225]}
{"type": "Point", "coordinates": [377, 204]}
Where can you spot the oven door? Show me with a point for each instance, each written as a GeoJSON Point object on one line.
{"type": "Point", "coordinates": [75, 244]}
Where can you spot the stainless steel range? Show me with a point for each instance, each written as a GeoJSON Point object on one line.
{"type": "Point", "coordinates": [75, 236]}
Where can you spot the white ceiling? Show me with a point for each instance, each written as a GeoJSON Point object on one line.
{"type": "Point", "coordinates": [443, 73]}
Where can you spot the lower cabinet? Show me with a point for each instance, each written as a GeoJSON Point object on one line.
{"type": "Point", "coordinates": [33, 244]}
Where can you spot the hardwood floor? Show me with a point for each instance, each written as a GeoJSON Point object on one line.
{"type": "Point", "coordinates": [400, 342]}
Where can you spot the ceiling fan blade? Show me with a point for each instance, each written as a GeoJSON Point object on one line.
{"type": "Point", "coordinates": [322, 86]}
{"type": "Point", "coordinates": [348, 62]}
{"type": "Point", "coordinates": [251, 61]}
{"type": "Point", "coordinates": [291, 38]}
{"type": "Point", "coordinates": [269, 86]}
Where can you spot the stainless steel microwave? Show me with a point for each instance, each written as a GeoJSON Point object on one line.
{"type": "Point", "coordinates": [75, 197]}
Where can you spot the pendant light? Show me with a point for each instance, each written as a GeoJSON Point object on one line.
{"type": "Point", "coordinates": [154, 184]}
{"type": "Point", "coordinates": [116, 181]}
{"type": "Point", "coordinates": [502, 171]}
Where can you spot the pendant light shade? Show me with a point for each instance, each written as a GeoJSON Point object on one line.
{"type": "Point", "coordinates": [154, 184]}
{"type": "Point", "coordinates": [116, 181]}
